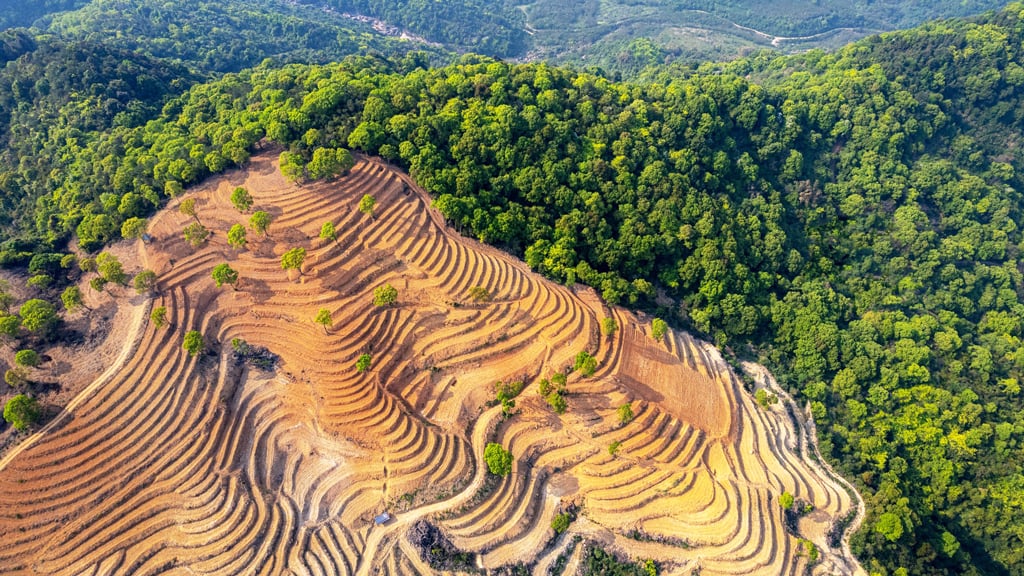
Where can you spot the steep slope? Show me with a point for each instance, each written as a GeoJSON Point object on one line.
{"type": "Point", "coordinates": [201, 465]}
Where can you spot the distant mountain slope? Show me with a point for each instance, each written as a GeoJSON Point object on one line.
{"type": "Point", "coordinates": [15, 13]}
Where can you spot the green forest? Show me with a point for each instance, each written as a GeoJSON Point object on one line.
{"type": "Point", "coordinates": [847, 218]}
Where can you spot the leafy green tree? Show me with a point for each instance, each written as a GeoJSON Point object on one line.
{"type": "Point", "coordinates": [187, 207]}
{"type": "Point", "coordinates": [133, 228]}
{"type": "Point", "coordinates": [87, 264]}
{"type": "Point", "coordinates": [479, 294]}
{"type": "Point", "coordinates": [327, 232]}
{"type": "Point", "coordinates": [40, 281]}
{"type": "Point", "coordinates": [890, 526]}
{"type": "Point", "coordinates": [236, 237]}
{"type": "Point", "coordinates": [499, 460]}
{"type": "Point", "coordinates": [786, 500]}
{"type": "Point", "coordinates": [144, 281]}
{"type": "Point", "coordinates": [609, 326]}
{"type": "Point", "coordinates": [241, 199]}
{"type": "Point", "coordinates": [260, 222]}
{"type": "Point", "coordinates": [159, 316]}
{"type": "Point", "coordinates": [224, 274]}
{"type": "Point", "coordinates": [6, 298]}
{"type": "Point", "coordinates": [97, 284]}
{"type": "Point", "coordinates": [110, 268]}
{"type": "Point", "coordinates": [363, 363]}
{"type": "Point", "coordinates": [557, 402]}
{"type": "Point", "coordinates": [293, 259]}
{"type": "Point", "coordinates": [10, 326]}
{"type": "Point", "coordinates": [193, 343]}
{"type": "Point", "coordinates": [27, 358]}
{"type": "Point", "coordinates": [613, 448]}
{"type": "Point", "coordinates": [71, 297]}
{"type": "Point", "coordinates": [385, 295]}
{"type": "Point", "coordinates": [658, 329]}
{"type": "Point", "coordinates": [196, 234]}
{"type": "Point", "coordinates": [323, 318]}
{"type": "Point", "coordinates": [22, 411]}
{"type": "Point", "coordinates": [366, 205]}
{"type": "Point", "coordinates": [329, 162]}
{"type": "Point", "coordinates": [585, 363]}
{"type": "Point", "coordinates": [16, 377]}
{"type": "Point", "coordinates": [38, 316]}
{"type": "Point", "coordinates": [625, 413]}
{"type": "Point", "coordinates": [561, 522]}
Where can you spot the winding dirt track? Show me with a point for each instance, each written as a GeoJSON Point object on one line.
{"type": "Point", "coordinates": [182, 465]}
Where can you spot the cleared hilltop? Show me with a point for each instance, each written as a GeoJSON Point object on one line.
{"type": "Point", "coordinates": [205, 465]}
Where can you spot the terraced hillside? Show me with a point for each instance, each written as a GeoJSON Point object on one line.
{"type": "Point", "coordinates": [182, 465]}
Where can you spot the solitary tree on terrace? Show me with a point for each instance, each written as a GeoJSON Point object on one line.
{"type": "Point", "coordinates": [193, 343]}
{"type": "Point", "coordinates": [366, 205]}
{"type": "Point", "coordinates": [625, 413]}
{"type": "Point", "coordinates": [293, 259]}
{"type": "Point", "coordinates": [323, 317]}
{"type": "Point", "coordinates": [188, 208]}
{"type": "Point", "coordinates": [499, 460]}
{"type": "Point", "coordinates": [196, 234]}
{"type": "Point", "coordinates": [159, 316]}
{"type": "Point", "coordinates": [225, 274]}
{"type": "Point", "coordinates": [609, 326]}
{"type": "Point", "coordinates": [241, 199]}
{"type": "Point", "coordinates": [327, 232]}
{"type": "Point", "coordinates": [385, 295]}
{"type": "Point", "coordinates": [236, 237]}
{"type": "Point", "coordinates": [658, 328]}
{"type": "Point", "coordinates": [260, 222]}
{"type": "Point", "coordinates": [363, 363]}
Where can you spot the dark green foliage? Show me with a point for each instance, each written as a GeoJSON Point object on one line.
{"type": "Point", "coordinates": [499, 460]}
{"type": "Point", "coordinates": [22, 411]}
{"type": "Point", "coordinates": [329, 162]}
{"type": "Point", "coordinates": [598, 562]}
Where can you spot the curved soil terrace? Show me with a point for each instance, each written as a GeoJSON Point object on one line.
{"type": "Point", "coordinates": [173, 464]}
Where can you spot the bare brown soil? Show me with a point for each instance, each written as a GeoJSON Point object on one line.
{"type": "Point", "coordinates": [198, 466]}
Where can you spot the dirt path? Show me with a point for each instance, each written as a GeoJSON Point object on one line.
{"type": "Point", "coordinates": [807, 430]}
{"type": "Point", "coordinates": [406, 519]}
{"type": "Point", "coordinates": [130, 344]}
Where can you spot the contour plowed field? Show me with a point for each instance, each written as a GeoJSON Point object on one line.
{"type": "Point", "coordinates": [183, 465]}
